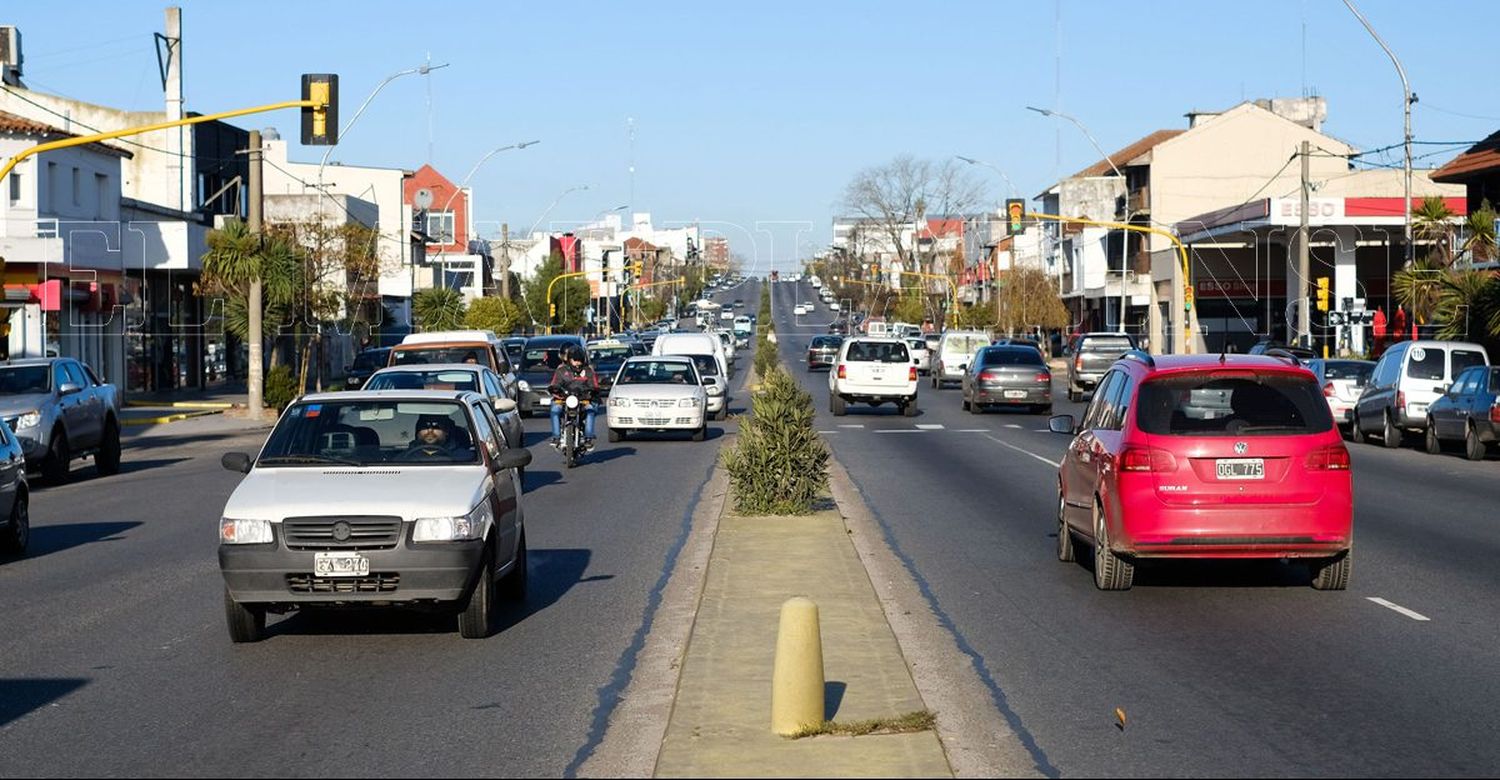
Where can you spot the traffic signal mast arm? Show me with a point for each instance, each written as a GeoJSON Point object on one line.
{"type": "Point", "coordinates": [89, 139]}
{"type": "Point", "coordinates": [552, 307]}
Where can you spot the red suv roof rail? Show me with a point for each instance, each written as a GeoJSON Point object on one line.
{"type": "Point", "coordinates": [1140, 356]}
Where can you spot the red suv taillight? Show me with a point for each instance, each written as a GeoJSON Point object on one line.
{"type": "Point", "coordinates": [1495, 413]}
{"type": "Point", "coordinates": [1328, 390]}
{"type": "Point", "coordinates": [841, 371]}
{"type": "Point", "coordinates": [1044, 378]}
{"type": "Point", "coordinates": [911, 374]}
{"type": "Point", "coordinates": [1147, 459]}
{"type": "Point", "coordinates": [1334, 457]}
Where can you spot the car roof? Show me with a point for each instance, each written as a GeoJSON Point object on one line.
{"type": "Point", "coordinates": [1183, 363]}
{"type": "Point", "coordinates": [414, 367]}
{"type": "Point", "coordinates": [1437, 343]}
{"type": "Point", "coordinates": [386, 395]}
{"type": "Point", "coordinates": [544, 341]}
{"type": "Point", "coordinates": [37, 361]}
{"type": "Point", "coordinates": [649, 358]}
{"type": "Point", "coordinates": [445, 336]}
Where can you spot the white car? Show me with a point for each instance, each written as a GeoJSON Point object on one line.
{"type": "Point", "coordinates": [921, 357]}
{"type": "Point", "coordinates": [873, 371]}
{"type": "Point", "coordinates": [658, 393]}
{"type": "Point", "coordinates": [800, 309]}
{"type": "Point", "coordinates": [955, 351]}
{"type": "Point", "coordinates": [731, 351]}
{"type": "Point", "coordinates": [390, 497]}
{"type": "Point", "coordinates": [728, 316]}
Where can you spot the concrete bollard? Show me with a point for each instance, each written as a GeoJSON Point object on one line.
{"type": "Point", "coordinates": [797, 678]}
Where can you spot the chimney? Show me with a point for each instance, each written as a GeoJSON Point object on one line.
{"type": "Point", "coordinates": [10, 56]}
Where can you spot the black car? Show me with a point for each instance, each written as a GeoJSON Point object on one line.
{"type": "Point", "coordinates": [838, 328]}
{"type": "Point", "coordinates": [515, 348]}
{"type": "Point", "coordinates": [823, 351]}
{"type": "Point", "coordinates": [540, 360]}
{"type": "Point", "coordinates": [606, 356]}
{"type": "Point", "coordinates": [365, 363]}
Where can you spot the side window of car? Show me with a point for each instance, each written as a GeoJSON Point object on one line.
{"type": "Point", "coordinates": [1119, 404]}
{"type": "Point", "coordinates": [1095, 412]}
{"type": "Point", "coordinates": [491, 385]}
{"type": "Point", "coordinates": [59, 375]}
{"type": "Point", "coordinates": [1385, 374]}
{"type": "Point", "coordinates": [485, 428]}
{"type": "Point", "coordinates": [76, 375]}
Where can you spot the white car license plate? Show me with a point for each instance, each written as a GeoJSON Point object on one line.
{"type": "Point", "coordinates": [340, 564]}
{"type": "Point", "coordinates": [1015, 393]}
{"type": "Point", "coordinates": [1240, 468]}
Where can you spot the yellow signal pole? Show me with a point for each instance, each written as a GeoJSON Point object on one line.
{"type": "Point", "coordinates": [552, 307]}
{"type": "Point", "coordinates": [952, 288]}
{"type": "Point", "coordinates": [1187, 290]}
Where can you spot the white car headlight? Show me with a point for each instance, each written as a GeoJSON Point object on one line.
{"type": "Point", "coordinates": [30, 419]}
{"type": "Point", "coordinates": [713, 390]}
{"type": "Point", "coordinates": [453, 529]}
{"type": "Point", "coordinates": [618, 402]}
{"type": "Point", "coordinates": [524, 385]}
{"type": "Point", "coordinates": [235, 531]}
{"type": "Point", "coordinates": [688, 403]}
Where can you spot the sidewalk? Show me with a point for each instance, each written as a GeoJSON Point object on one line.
{"type": "Point", "coordinates": [720, 722]}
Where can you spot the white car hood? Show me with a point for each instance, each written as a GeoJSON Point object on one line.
{"type": "Point", "coordinates": [657, 391]}
{"type": "Point", "coordinates": [409, 491]}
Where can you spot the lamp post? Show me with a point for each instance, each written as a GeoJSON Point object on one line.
{"type": "Point", "coordinates": [970, 160]}
{"type": "Point", "coordinates": [1124, 187]}
{"type": "Point", "coordinates": [464, 183]}
{"type": "Point", "coordinates": [994, 277]}
{"type": "Point", "coordinates": [1408, 99]}
{"type": "Point", "coordinates": [344, 131]}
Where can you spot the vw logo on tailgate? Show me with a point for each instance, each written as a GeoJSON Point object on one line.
{"type": "Point", "coordinates": [1240, 448]}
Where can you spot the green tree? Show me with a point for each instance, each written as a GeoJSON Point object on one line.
{"type": "Point", "coordinates": [1419, 286]}
{"type": "Point", "coordinates": [1431, 222]}
{"type": "Point", "coordinates": [911, 307]}
{"type": "Point", "coordinates": [571, 296]}
{"type": "Point", "coordinates": [438, 308]}
{"type": "Point", "coordinates": [1480, 226]}
{"type": "Point", "coordinates": [976, 317]}
{"type": "Point", "coordinates": [497, 314]}
{"type": "Point", "coordinates": [1028, 299]}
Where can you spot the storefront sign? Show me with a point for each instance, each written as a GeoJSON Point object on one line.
{"type": "Point", "coordinates": [1241, 288]}
{"type": "Point", "coordinates": [1287, 211]}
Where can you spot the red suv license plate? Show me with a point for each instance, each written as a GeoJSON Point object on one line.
{"type": "Point", "coordinates": [1240, 468]}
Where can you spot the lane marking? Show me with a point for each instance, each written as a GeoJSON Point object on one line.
{"type": "Point", "coordinates": [827, 432]}
{"type": "Point", "coordinates": [972, 430]}
{"type": "Point", "coordinates": [851, 425]}
{"type": "Point", "coordinates": [1398, 608]}
{"type": "Point", "coordinates": [1012, 425]}
{"type": "Point", "coordinates": [1005, 443]}
{"type": "Point", "coordinates": [899, 430]}
{"type": "Point", "coordinates": [931, 427]}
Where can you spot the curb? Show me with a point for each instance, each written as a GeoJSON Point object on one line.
{"type": "Point", "coordinates": [170, 417]}
{"type": "Point", "coordinates": [143, 404]}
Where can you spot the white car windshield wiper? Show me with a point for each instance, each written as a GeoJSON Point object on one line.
{"type": "Point", "coordinates": [275, 460]}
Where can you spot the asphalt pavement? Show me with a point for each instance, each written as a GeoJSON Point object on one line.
{"type": "Point", "coordinates": [117, 660]}
{"type": "Point", "coordinates": [1221, 669]}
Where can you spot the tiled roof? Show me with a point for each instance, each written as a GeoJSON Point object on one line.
{"type": "Point", "coordinates": [20, 125]}
{"type": "Point", "coordinates": [1134, 150]}
{"type": "Point", "coordinates": [1481, 158]}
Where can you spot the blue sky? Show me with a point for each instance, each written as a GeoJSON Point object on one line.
{"type": "Point", "coordinates": [758, 114]}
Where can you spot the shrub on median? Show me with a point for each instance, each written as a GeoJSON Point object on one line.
{"type": "Point", "coordinates": [280, 388]}
{"type": "Point", "coordinates": [779, 466]}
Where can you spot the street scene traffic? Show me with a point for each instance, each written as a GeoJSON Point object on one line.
{"type": "Point", "coordinates": [438, 409]}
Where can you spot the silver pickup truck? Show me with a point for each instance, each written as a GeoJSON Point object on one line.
{"type": "Point", "coordinates": [59, 410]}
{"type": "Point", "coordinates": [1092, 355]}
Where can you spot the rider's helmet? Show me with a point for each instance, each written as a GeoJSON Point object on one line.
{"type": "Point", "coordinates": [572, 353]}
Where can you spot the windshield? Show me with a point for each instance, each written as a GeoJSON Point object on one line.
{"type": "Point", "coordinates": [362, 433]}
{"type": "Point", "coordinates": [406, 356]}
{"type": "Point", "coordinates": [656, 372]}
{"type": "Point", "coordinates": [369, 361]}
{"type": "Point", "coordinates": [424, 380]}
{"type": "Point", "coordinates": [967, 345]}
{"type": "Point", "coordinates": [24, 380]}
{"type": "Point", "coordinates": [826, 342]}
{"type": "Point", "coordinates": [1465, 358]}
{"type": "Point", "coordinates": [1357, 370]}
{"type": "Point", "coordinates": [611, 353]}
{"type": "Point", "coordinates": [1232, 403]}
{"type": "Point", "coordinates": [541, 359]}
{"type": "Point", "coordinates": [877, 352]}
{"type": "Point", "coordinates": [917, 344]}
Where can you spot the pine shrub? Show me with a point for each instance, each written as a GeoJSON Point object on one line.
{"type": "Point", "coordinates": [779, 466]}
{"type": "Point", "coordinates": [280, 388]}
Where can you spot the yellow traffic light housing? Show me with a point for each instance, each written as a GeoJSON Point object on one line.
{"type": "Point", "coordinates": [1015, 217]}
{"type": "Point", "coordinates": [320, 121]}
{"type": "Point", "coordinates": [1322, 293]}
{"type": "Point", "coordinates": [552, 310]}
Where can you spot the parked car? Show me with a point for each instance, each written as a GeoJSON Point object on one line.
{"type": "Point", "coordinates": [823, 351]}
{"type": "Point", "coordinates": [955, 349]}
{"type": "Point", "coordinates": [543, 356]}
{"type": "Point", "coordinates": [1469, 412]}
{"type": "Point", "coordinates": [1009, 375]}
{"type": "Point", "coordinates": [465, 377]}
{"type": "Point", "coordinates": [60, 411]}
{"type": "Point", "coordinates": [658, 393]}
{"type": "Point", "coordinates": [396, 498]}
{"type": "Point", "coordinates": [365, 363]}
{"type": "Point", "coordinates": [1342, 382]}
{"type": "Point", "coordinates": [873, 371]}
{"type": "Point", "coordinates": [1092, 355]}
{"type": "Point", "coordinates": [15, 495]}
{"type": "Point", "coordinates": [1149, 476]}
{"type": "Point", "coordinates": [1407, 379]}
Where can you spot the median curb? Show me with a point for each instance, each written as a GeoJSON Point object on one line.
{"type": "Point", "coordinates": [167, 418]}
{"type": "Point", "coordinates": [147, 404]}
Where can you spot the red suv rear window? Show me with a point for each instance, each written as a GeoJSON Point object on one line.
{"type": "Point", "coordinates": [1224, 403]}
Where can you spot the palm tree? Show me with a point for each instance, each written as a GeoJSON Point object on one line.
{"type": "Point", "coordinates": [1432, 222]}
{"type": "Point", "coordinates": [241, 265]}
{"type": "Point", "coordinates": [438, 308]}
{"type": "Point", "coordinates": [1419, 286]}
{"type": "Point", "coordinates": [1462, 304]}
{"type": "Point", "coordinates": [1480, 226]}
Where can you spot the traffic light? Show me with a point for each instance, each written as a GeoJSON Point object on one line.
{"type": "Point", "coordinates": [1322, 293]}
{"type": "Point", "coordinates": [1015, 214]}
{"type": "Point", "coordinates": [552, 311]}
{"type": "Point", "coordinates": [320, 122]}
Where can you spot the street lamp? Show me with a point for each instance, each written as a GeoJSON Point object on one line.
{"type": "Point", "coordinates": [1124, 187]}
{"type": "Point", "coordinates": [1409, 99]}
{"type": "Point", "coordinates": [344, 131]}
{"type": "Point", "coordinates": [465, 183]}
{"type": "Point", "coordinates": [972, 161]}
{"type": "Point", "coordinates": [553, 205]}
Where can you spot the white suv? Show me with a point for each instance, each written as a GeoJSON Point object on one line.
{"type": "Point", "coordinates": [873, 371]}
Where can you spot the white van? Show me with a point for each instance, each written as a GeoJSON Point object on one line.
{"type": "Point", "coordinates": [692, 344]}
{"type": "Point", "coordinates": [1406, 380]}
{"type": "Point", "coordinates": [956, 349]}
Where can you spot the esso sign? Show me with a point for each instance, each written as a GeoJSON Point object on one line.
{"type": "Point", "coordinates": [1317, 208]}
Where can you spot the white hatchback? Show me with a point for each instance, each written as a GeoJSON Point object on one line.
{"type": "Point", "coordinates": [660, 393]}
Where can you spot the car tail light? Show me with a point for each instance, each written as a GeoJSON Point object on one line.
{"type": "Point", "coordinates": [988, 376]}
{"type": "Point", "coordinates": [1334, 457]}
{"type": "Point", "coordinates": [1147, 459]}
{"type": "Point", "coordinates": [1328, 391]}
{"type": "Point", "coordinates": [911, 375]}
{"type": "Point", "coordinates": [1401, 400]}
{"type": "Point", "coordinates": [1495, 413]}
{"type": "Point", "coordinates": [1078, 363]}
{"type": "Point", "coordinates": [1044, 378]}
{"type": "Point", "coordinates": [842, 375]}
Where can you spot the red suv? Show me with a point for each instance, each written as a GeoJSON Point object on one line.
{"type": "Point", "coordinates": [1206, 456]}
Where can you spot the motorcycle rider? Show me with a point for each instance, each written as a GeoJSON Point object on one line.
{"type": "Point", "coordinates": [573, 378]}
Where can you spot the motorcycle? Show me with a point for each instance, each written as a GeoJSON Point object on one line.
{"type": "Point", "coordinates": [572, 444]}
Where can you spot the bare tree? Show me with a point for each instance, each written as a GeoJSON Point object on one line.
{"type": "Point", "coordinates": [895, 197]}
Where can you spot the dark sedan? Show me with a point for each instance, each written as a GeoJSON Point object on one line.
{"type": "Point", "coordinates": [365, 363]}
{"type": "Point", "coordinates": [823, 352]}
{"type": "Point", "coordinates": [542, 357]}
{"type": "Point", "coordinates": [606, 356]}
{"type": "Point", "coordinates": [1468, 412]}
{"type": "Point", "coordinates": [1008, 376]}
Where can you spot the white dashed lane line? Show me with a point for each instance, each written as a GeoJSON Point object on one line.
{"type": "Point", "coordinates": [1012, 425]}
{"type": "Point", "coordinates": [851, 425]}
{"type": "Point", "coordinates": [931, 427]}
{"type": "Point", "coordinates": [900, 430]}
{"type": "Point", "coordinates": [1029, 453]}
{"type": "Point", "coordinates": [1398, 608]}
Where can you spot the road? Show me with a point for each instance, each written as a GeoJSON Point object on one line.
{"type": "Point", "coordinates": [117, 662]}
{"type": "Point", "coordinates": [1221, 670]}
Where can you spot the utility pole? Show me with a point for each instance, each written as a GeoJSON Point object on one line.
{"type": "Point", "coordinates": [505, 261]}
{"type": "Point", "coordinates": [1304, 317]}
{"type": "Point", "coordinates": [257, 376]}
